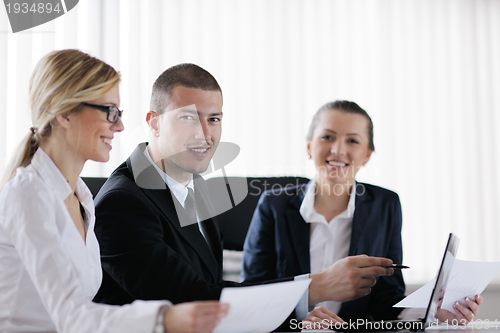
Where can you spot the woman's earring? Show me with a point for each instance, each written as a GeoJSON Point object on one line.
{"type": "Point", "coordinates": [310, 156]}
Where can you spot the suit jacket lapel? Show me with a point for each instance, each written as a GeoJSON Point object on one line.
{"type": "Point", "coordinates": [155, 188]}
{"type": "Point", "coordinates": [300, 231]}
{"type": "Point", "coordinates": [360, 218]}
{"type": "Point", "coordinates": [206, 215]}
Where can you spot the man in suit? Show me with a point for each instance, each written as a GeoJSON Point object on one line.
{"type": "Point", "coordinates": [151, 245]}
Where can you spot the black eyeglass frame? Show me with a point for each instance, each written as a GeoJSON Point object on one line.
{"type": "Point", "coordinates": [108, 109]}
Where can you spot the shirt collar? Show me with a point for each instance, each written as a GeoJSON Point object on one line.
{"type": "Point", "coordinates": [351, 205]}
{"type": "Point", "coordinates": [307, 207]}
{"type": "Point", "coordinates": [56, 181]}
{"type": "Point", "coordinates": [51, 174]}
{"type": "Point", "coordinates": [178, 190]}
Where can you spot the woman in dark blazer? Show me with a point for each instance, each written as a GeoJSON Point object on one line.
{"type": "Point", "coordinates": [307, 228]}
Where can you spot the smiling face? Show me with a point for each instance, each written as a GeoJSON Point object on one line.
{"type": "Point", "coordinates": [339, 146]}
{"type": "Point", "coordinates": [186, 134]}
{"type": "Point", "coordinates": [92, 132]}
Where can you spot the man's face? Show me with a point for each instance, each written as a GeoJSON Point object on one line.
{"type": "Point", "coordinates": [188, 131]}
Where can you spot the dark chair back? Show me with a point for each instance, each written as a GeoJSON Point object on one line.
{"type": "Point", "coordinates": [94, 183]}
{"type": "Point", "coordinates": [234, 222]}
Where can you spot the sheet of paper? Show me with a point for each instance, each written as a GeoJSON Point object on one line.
{"type": "Point", "coordinates": [467, 278]}
{"type": "Point", "coordinates": [419, 298]}
{"type": "Point", "coordinates": [260, 308]}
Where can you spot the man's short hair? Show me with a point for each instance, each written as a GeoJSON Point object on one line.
{"type": "Point", "coordinates": [187, 75]}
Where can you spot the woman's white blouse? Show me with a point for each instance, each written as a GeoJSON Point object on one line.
{"type": "Point", "coordinates": [329, 240]}
{"type": "Point", "coordinates": [48, 274]}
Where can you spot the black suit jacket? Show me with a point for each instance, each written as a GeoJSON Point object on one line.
{"type": "Point", "coordinates": [278, 241]}
{"type": "Point", "coordinates": [145, 252]}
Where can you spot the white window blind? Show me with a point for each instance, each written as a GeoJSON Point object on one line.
{"type": "Point", "coordinates": [427, 71]}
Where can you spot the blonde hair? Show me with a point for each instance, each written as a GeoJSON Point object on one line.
{"type": "Point", "coordinates": [60, 82]}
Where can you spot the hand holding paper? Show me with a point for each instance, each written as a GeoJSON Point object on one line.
{"type": "Point", "coordinates": [260, 308]}
{"type": "Point", "coordinates": [467, 279]}
{"type": "Point", "coordinates": [463, 313]}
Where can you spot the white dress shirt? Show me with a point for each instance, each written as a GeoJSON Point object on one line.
{"type": "Point", "coordinates": [48, 273]}
{"type": "Point", "coordinates": [329, 241]}
{"type": "Point", "coordinates": [177, 189]}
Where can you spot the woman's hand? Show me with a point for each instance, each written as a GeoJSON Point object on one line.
{"type": "Point", "coordinates": [464, 314]}
{"type": "Point", "coordinates": [194, 317]}
{"type": "Point", "coordinates": [348, 279]}
{"type": "Point", "coordinates": [321, 317]}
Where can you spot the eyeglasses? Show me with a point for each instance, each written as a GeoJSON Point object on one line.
{"type": "Point", "coordinates": [113, 112]}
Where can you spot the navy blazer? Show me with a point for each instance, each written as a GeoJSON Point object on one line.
{"type": "Point", "coordinates": [277, 244]}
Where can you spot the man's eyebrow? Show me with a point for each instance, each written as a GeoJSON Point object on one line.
{"type": "Point", "coordinates": [194, 112]}
{"type": "Point", "coordinates": [187, 111]}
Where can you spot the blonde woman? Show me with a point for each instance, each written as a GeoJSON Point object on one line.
{"type": "Point", "coordinates": [49, 256]}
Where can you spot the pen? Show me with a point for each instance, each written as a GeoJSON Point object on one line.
{"type": "Point", "coordinates": [398, 266]}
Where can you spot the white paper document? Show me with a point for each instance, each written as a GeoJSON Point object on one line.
{"type": "Point", "coordinates": [419, 298]}
{"type": "Point", "coordinates": [260, 308]}
{"type": "Point", "coordinates": [467, 278]}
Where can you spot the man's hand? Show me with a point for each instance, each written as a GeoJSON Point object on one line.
{"type": "Point", "coordinates": [194, 317]}
{"type": "Point", "coordinates": [321, 317]}
{"type": "Point", "coordinates": [348, 279]}
{"type": "Point", "coordinates": [464, 315]}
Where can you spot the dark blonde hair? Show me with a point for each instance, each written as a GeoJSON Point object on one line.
{"type": "Point", "coordinates": [346, 107]}
{"type": "Point", "coordinates": [60, 82]}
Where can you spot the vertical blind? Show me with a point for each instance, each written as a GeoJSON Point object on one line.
{"type": "Point", "coordinates": [427, 71]}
